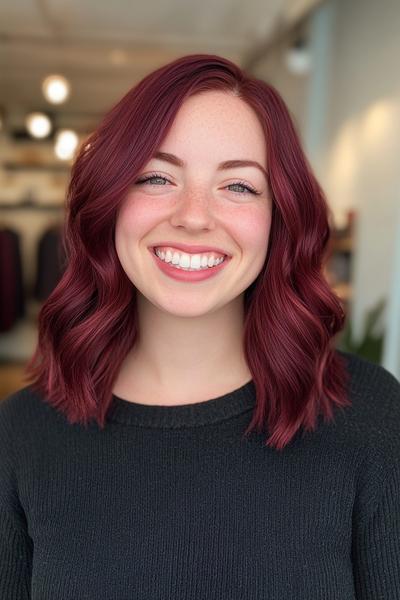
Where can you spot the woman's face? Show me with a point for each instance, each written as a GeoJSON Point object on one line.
{"type": "Point", "coordinates": [199, 203]}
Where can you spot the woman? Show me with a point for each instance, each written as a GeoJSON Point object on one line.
{"type": "Point", "coordinates": [189, 430]}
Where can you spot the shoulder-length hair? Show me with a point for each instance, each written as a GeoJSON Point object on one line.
{"type": "Point", "coordinates": [89, 322]}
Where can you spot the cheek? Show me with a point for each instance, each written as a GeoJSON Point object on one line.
{"type": "Point", "coordinates": [251, 231]}
{"type": "Point", "coordinates": [127, 232]}
{"type": "Point", "coordinates": [134, 218]}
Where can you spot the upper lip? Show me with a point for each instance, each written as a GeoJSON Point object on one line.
{"type": "Point", "coordinates": [190, 249]}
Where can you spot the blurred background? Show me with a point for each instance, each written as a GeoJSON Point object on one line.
{"type": "Point", "coordinates": [335, 62]}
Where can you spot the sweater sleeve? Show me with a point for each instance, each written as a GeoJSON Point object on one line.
{"type": "Point", "coordinates": [15, 544]}
{"type": "Point", "coordinates": [376, 528]}
{"type": "Point", "coordinates": [376, 546]}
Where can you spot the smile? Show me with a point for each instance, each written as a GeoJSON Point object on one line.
{"type": "Point", "coordinates": [180, 272]}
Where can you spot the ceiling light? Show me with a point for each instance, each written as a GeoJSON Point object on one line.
{"type": "Point", "coordinates": [38, 124]}
{"type": "Point", "coordinates": [298, 57]}
{"type": "Point", "coordinates": [66, 144]}
{"type": "Point", "coordinates": [118, 57]}
{"type": "Point", "coordinates": [56, 89]}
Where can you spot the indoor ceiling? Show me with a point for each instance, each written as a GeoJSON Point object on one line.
{"type": "Point", "coordinates": [104, 48]}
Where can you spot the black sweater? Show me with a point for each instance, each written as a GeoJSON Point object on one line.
{"type": "Point", "coordinates": [170, 503]}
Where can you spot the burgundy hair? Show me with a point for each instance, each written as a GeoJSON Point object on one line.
{"type": "Point", "coordinates": [89, 322]}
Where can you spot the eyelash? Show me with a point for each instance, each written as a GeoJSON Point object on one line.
{"type": "Point", "coordinates": [239, 183]}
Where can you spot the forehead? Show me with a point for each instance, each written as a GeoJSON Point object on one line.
{"type": "Point", "coordinates": [219, 122]}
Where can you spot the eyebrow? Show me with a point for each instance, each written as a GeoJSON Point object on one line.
{"type": "Point", "coordinates": [227, 164]}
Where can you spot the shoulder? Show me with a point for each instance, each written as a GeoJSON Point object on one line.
{"type": "Point", "coordinates": [24, 410]}
{"type": "Point", "coordinates": [29, 426]}
{"type": "Point", "coordinates": [372, 426]}
{"type": "Point", "coordinates": [23, 399]}
{"type": "Point", "coordinates": [17, 414]}
{"type": "Point", "coordinates": [371, 379]}
{"type": "Point", "coordinates": [371, 386]}
{"type": "Point", "coordinates": [368, 427]}
{"type": "Point", "coordinates": [372, 422]}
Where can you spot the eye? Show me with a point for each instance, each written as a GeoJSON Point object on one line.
{"type": "Point", "coordinates": [150, 177]}
{"type": "Point", "coordinates": [245, 186]}
{"type": "Point", "coordinates": [241, 184]}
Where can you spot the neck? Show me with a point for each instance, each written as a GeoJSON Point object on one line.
{"type": "Point", "coordinates": [185, 359]}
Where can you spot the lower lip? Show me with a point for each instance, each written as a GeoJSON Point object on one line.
{"type": "Point", "coordinates": [181, 275]}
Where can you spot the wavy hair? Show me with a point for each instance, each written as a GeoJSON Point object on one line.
{"type": "Point", "coordinates": [89, 322]}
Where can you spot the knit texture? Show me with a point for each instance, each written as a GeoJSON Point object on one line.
{"type": "Point", "coordinates": [174, 503]}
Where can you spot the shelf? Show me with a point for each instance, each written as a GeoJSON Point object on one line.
{"type": "Point", "coordinates": [344, 290]}
{"type": "Point", "coordinates": [344, 244]}
{"type": "Point", "coordinates": [30, 206]}
{"type": "Point", "coordinates": [28, 166]}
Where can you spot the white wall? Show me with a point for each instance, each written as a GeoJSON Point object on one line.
{"type": "Point", "coordinates": [349, 120]}
{"type": "Point", "coordinates": [361, 149]}
{"type": "Point", "coordinates": [293, 88]}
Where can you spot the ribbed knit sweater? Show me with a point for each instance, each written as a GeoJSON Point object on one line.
{"type": "Point", "coordinates": [173, 503]}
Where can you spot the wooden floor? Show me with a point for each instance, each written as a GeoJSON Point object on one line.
{"type": "Point", "coordinates": [11, 378]}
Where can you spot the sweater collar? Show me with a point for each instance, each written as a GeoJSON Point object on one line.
{"type": "Point", "coordinates": [206, 412]}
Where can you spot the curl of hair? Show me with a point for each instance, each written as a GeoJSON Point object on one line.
{"type": "Point", "coordinates": [89, 322]}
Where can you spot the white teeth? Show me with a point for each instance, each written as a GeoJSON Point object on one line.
{"type": "Point", "coordinates": [186, 261]}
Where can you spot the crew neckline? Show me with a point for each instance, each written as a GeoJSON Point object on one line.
{"type": "Point", "coordinates": [205, 412]}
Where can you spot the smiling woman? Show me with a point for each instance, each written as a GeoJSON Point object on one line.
{"type": "Point", "coordinates": [189, 430]}
{"type": "Point", "coordinates": [189, 194]}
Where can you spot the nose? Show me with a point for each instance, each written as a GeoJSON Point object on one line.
{"type": "Point", "coordinates": [193, 210]}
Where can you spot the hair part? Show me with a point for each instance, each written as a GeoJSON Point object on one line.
{"type": "Point", "coordinates": [89, 322]}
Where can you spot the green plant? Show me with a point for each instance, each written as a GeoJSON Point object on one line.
{"type": "Point", "coordinates": [371, 345]}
